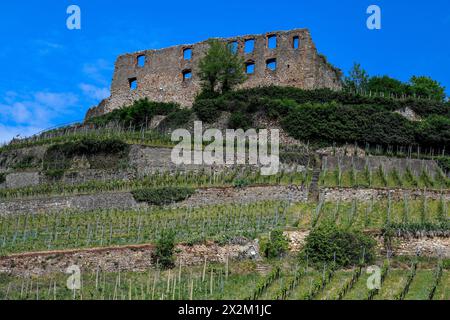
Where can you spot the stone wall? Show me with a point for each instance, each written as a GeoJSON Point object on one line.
{"type": "Point", "coordinates": [78, 202]}
{"type": "Point", "coordinates": [374, 162]}
{"type": "Point", "coordinates": [348, 194]}
{"type": "Point", "coordinates": [22, 179]}
{"type": "Point", "coordinates": [129, 258]}
{"type": "Point", "coordinates": [161, 77]}
{"type": "Point", "coordinates": [125, 200]}
{"type": "Point", "coordinates": [209, 196]}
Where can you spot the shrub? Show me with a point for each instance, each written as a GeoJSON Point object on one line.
{"type": "Point", "coordinates": [207, 110]}
{"type": "Point", "coordinates": [422, 107]}
{"type": "Point", "coordinates": [241, 183]}
{"type": "Point", "coordinates": [275, 246]}
{"type": "Point", "coordinates": [2, 178]}
{"type": "Point", "coordinates": [25, 163]}
{"type": "Point", "coordinates": [239, 120]}
{"type": "Point", "coordinates": [426, 87]}
{"type": "Point", "coordinates": [434, 131]}
{"type": "Point", "coordinates": [341, 124]}
{"type": "Point", "coordinates": [164, 251]}
{"type": "Point", "coordinates": [54, 174]}
{"type": "Point", "coordinates": [137, 114]}
{"type": "Point", "coordinates": [388, 85]}
{"type": "Point", "coordinates": [444, 163]}
{"type": "Point", "coordinates": [176, 119]}
{"type": "Point", "coordinates": [328, 243]}
{"type": "Point", "coordinates": [58, 156]}
{"type": "Point", "coordinates": [162, 196]}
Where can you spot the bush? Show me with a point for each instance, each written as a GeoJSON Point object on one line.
{"type": "Point", "coordinates": [164, 251]}
{"type": "Point", "coordinates": [137, 115]}
{"type": "Point", "coordinates": [162, 196]}
{"type": "Point", "coordinates": [241, 183]}
{"type": "Point", "coordinates": [275, 246]}
{"type": "Point", "coordinates": [54, 174]}
{"type": "Point", "coordinates": [434, 131]}
{"type": "Point", "coordinates": [422, 107]}
{"type": "Point", "coordinates": [335, 123]}
{"type": "Point", "coordinates": [328, 243]}
{"type": "Point", "coordinates": [323, 116]}
{"type": "Point", "coordinates": [388, 85]}
{"type": "Point", "coordinates": [239, 120]}
{"type": "Point", "coordinates": [444, 163]}
{"type": "Point", "coordinates": [2, 178]}
{"type": "Point", "coordinates": [176, 119]}
{"type": "Point", "coordinates": [58, 156]}
{"type": "Point", "coordinates": [25, 163]}
{"type": "Point", "coordinates": [207, 110]}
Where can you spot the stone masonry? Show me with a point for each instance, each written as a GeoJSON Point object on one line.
{"type": "Point", "coordinates": [171, 74]}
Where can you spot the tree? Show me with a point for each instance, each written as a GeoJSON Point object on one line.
{"type": "Point", "coordinates": [164, 251]}
{"type": "Point", "coordinates": [425, 87]}
{"type": "Point", "coordinates": [357, 79]}
{"type": "Point", "coordinates": [329, 243]}
{"type": "Point", "coordinates": [388, 85]}
{"type": "Point", "coordinates": [275, 246]}
{"type": "Point", "coordinates": [221, 69]}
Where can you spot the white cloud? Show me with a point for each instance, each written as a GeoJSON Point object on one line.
{"type": "Point", "coordinates": [94, 92]}
{"type": "Point", "coordinates": [56, 100]}
{"type": "Point", "coordinates": [35, 110]}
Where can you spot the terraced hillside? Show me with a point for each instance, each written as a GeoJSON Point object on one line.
{"type": "Point", "coordinates": [101, 197]}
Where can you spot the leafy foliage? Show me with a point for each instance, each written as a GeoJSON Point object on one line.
{"type": "Point", "coordinates": [261, 96]}
{"type": "Point", "coordinates": [162, 196]}
{"type": "Point", "coordinates": [207, 110]}
{"type": "Point", "coordinates": [444, 162]}
{"type": "Point", "coordinates": [426, 87]}
{"type": "Point", "coordinates": [221, 69]}
{"type": "Point", "coordinates": [164, 251]}
{"type": "Point", "coordinates": [336, 123]}
{"type": "Point", "coordinates": [239, 120]}
{"type": "Point", "coordinates": [137, 115]}
{"type": "Point", "coordinates": [2, 178]}
{"type": "Point", "coordinates": [329, 243]}
{"type": "Point", "coordinates": [387, 86]}
{"type": "Point", "coordinates": [58, 156]}
{"type": "Point", "coordinates": [434, 131]}
{"type": "Point", "coordinates": [176, 119]}
{"type": "Point", "coordinates": [357, 80]}
{"type": "Point", "coordinates": [275, 246]}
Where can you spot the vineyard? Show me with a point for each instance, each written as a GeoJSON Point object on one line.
{"type": "Point", "coordinates": [237, 281]}
{"type": "Point", "coordinates": [395, 222]}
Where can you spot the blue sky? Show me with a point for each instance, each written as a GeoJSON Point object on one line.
{"type": "Point", "coordinates": [51, 75]}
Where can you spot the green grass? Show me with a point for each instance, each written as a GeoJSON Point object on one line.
{"type": "Point", "coordinates": [215, 282]}
{"type": "Point", "coordinates": [420, 287]}
{"type": "Point", "coordinates": [65, 230]}
{"type": "Point", "coordinates": [74, 229]}
{"type": "Point", "coordinates": [226, 178]}
{"type": "Point", "coordinates": [360, 290]}
{"type": "Point", "coordinates": [393, 284]}
{"type": "Point", "coordinates": [443, 290]}
{"type": "Point", "coordinates": [305, 285]}
{"type": "Point", "coordinates": [377, 178]}
{"type": "Point", "coordinates": [338, 281]}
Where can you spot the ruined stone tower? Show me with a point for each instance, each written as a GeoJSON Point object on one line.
{"type": "Point", "coordinates": [285, 58]}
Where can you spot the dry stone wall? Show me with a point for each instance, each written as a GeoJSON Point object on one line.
{"type": "Point", "coordinates": [374, 162]}
{"type": "Point", "coordinates": [125, 200]}
{"type": "Point", "coordinates": [348, 194]}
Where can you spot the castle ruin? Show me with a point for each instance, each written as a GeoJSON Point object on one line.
{"type": "Point", "coordinates": [284, 58]}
